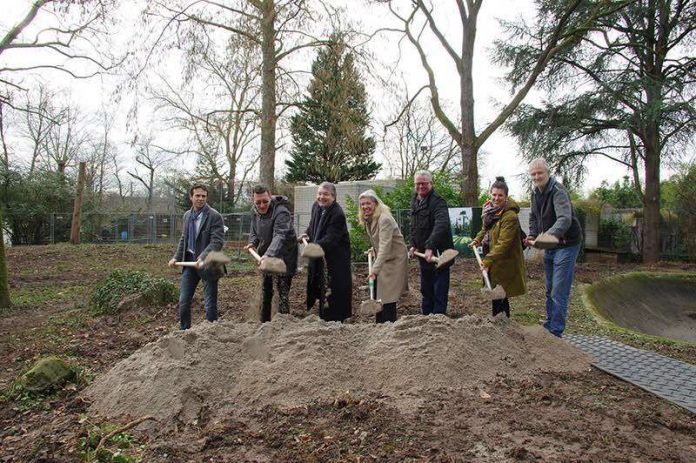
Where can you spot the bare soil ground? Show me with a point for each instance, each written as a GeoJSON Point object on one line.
{"type": "Point", "coordinates": [573, 414]}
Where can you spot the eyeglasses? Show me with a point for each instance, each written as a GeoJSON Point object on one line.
{"type": "Point", "coordinates": [422, 183]}
{"type": "Point", "coordinates": [261, 202]}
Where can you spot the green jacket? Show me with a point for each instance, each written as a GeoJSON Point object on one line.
{"type": "Point", "coordinates": [505, 260]}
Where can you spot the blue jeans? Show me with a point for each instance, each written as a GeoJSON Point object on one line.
{"type": "Point", "coordinates": [559, 265]}
{"type": "Point", "coordinates": [189, 281]}
{"type": "Point", "coordinates": [434, 288]}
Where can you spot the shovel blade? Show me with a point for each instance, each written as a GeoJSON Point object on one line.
{"type": "Point", "coordinates": [447, 256]}
{"type": "Point", "coordinates": [370, 307]}
{"type": "Point", "coordinates": [273, 265]}
{"type": "Point", "coordinates": [494, 294]}
{"type": "Point", "coordinates": [313, 251]}
{"type": "Point", "coordinates": [216, 257]}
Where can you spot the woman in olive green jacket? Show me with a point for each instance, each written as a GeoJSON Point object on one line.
{"type": "Point", "coordinates": [502, 245]}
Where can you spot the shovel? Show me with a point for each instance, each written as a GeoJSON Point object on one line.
{"type": "Point", "coordinates": [545, 241]}
{"type": "Point", "coordinates": [496, 293]}
{"type": "Point", "coordinates": [370, 306]}
{"type": "Point", "coordinates": [212, 260]}
{"type": "Point", "coordinates": [269, 264]}
{"type": "Point", "coordinates": [213, 264]}
{"type": "Point", "coordinates": [446, 256]}
{"type": "Point", "coordinates": [312, 250]}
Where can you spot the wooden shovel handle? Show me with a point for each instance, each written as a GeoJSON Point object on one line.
{"type": "Point", "coordinates": [186, 264]}
{"type": "Point", "coordinates": [255, 254]}
{"type": "Point", "coordinates": [420, 254]}
{"type": "Point", "coordinates": [483, 272]}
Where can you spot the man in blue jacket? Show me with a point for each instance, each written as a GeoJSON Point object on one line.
{"type": "Point", "coordinates": [430, 234]}
{"type": "Point", "coordinates": [273, 235]}
{"type": "Point", "coordinates": [552, 213]}
{"type": "Point", "coordinates": [203, 232]}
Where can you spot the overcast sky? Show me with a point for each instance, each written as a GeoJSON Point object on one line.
{"type": "Point", "coordinates": [499, 154]}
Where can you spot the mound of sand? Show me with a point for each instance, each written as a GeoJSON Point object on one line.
{"type": "Point", "coordinates": [222, 366]}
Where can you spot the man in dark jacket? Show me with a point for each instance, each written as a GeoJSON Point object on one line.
{"type": "Point", "coordinates": [203, 232]}
{"type": "Point", "coordinates": [273, 235]}
{"type": "Point", "coordinates": [552, 213]}
{"type": "Point", "coordinates": [430, 234]}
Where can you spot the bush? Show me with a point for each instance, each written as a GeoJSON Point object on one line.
{"type": "Point", "coordinates": [124, 283]}
{"type": "Point", "coordinates": [615, 234]}
{"type": "Point", "coordinates": [359, 241]}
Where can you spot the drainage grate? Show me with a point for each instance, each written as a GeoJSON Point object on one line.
{"type": "Point", "coordinates": [670, 379]}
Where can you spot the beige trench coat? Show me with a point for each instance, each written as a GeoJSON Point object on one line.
{"type": "Point", "coordinates": [391, 261]}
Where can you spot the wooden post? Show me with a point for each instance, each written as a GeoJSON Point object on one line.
{"type": "Point", "coordinates": [77, 208]}
{"type": "Point", "coordinates": [5, 300]}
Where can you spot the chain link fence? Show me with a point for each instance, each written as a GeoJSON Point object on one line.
{"type": "Point", "coordinates": [159, 228]}
{"type": "Point", "coordinates": [618, 232]}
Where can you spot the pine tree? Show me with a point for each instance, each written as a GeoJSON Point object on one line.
{"type": "Point", "coordinates": [329, 140]}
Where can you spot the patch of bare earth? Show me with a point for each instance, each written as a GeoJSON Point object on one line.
{"type": "Point", "coordinates": [424, 389]}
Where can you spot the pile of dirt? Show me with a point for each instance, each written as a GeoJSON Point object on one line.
{"type": "Point", "coordinates": [214, 368]}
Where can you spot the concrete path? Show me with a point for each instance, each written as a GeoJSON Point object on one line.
{"type": "Point", "coordinates": [668, 378]}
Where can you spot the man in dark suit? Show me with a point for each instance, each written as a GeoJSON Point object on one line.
{"type": "Point", "coordinates": [203, 232]}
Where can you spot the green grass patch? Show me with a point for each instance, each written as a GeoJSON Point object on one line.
{"type": "Point", "coordinates": [527, 317]}
{"type": "Point", "coordinates": [31, 296]}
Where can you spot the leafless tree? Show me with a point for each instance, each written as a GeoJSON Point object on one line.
{"type": "Point", "coordinates": [415, 140]}
{"type": "Point", "coordinates": [150, 159]}
{"type": "Point", "coordinates": [100, 155]}
{"type": "Point", "coordinates": [223, 127]}
{"type": "Point", "coordinates": [67, 139]}
{"type": "Point", "coordinates": [421, 20]}
{"type": "Point", "coordinates": [72, 44]}
{"type": "Point", "coordinates": [277, 29]}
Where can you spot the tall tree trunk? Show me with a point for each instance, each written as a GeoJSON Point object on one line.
{"type": "Point", "coordinates": [77, 208]}
{"type": "Point", "coordinates": [469, 182]}
{"type": "Point", "coordinates": [5, 300]}
{"type": "Point", "coordinates": [268, 95]}
{"type": "Point", "coordinates": [651, 199]}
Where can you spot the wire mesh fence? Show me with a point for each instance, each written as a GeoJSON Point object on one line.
{"type": "Point", "coordinates": [616, 234]}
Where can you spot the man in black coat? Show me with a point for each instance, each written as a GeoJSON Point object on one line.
{"type": "Point", "coordinates": [430, 234]}
{"type": "Point", "coordinates": [328, 228]}
{"type": "Point", "coordinates": [273, 235]}
{"type": "Point", "coordinates": [203, 232]}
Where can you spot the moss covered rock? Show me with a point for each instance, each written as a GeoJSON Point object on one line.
{"type": "Point", "coordinates": [47, 374]}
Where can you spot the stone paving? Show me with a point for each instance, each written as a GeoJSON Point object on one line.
{"type": "Point", "coordinates": [668, 378]}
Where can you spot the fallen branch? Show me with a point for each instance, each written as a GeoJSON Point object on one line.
{"type": "Point", "coordinates": [123, 428]}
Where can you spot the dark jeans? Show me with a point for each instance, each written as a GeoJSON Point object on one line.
{"type": "Point", "coordinates": [559, 265]}
{"type": "Point", "coordinates": [189, 281]}
{"type": "Point", "coordinates": [283, 286]}
{"type": "Point", "coordinates": [434, 288]}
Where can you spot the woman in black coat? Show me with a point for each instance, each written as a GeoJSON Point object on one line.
{"type": "Point", "coordinates": [328, 228]}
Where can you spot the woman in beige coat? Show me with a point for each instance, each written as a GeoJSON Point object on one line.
{"type": "Point", "coordinates": [390, 268]}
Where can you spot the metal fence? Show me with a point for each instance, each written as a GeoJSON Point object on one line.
{"type": "Point", "coordinates": [616, 232]}
{"type": "Point", "coordinates": [159, 228]}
